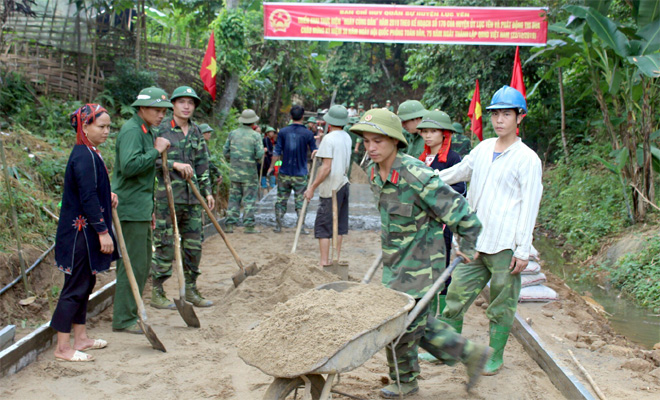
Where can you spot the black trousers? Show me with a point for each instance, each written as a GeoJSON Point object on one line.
{"type": "Point", "coordinates": [72, 305]}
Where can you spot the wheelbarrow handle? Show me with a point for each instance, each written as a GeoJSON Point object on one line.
{"type": "Point", "coordinates": [372, 270]}
{"type": "Point", "coordinates": [424, 301]}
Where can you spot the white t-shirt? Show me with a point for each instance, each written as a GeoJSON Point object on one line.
{"type": "Point", "coordinates": [337, 146]}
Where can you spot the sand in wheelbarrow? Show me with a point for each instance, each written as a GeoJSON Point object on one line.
{"type": "Point", "coordinates": [315, 325]}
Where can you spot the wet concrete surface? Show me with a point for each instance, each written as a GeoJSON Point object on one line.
{"type": "Point", "coordinates": [362, 211]}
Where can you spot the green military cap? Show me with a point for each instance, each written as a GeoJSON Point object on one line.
{"type": "Point", "coordinates": [152, 97]}
{"type": "Point", "coordinates": [353, 120]}
{"type": "Point", "coordinates": [352, 104]}
{"type": "Point", "coordinates": [311, 119]}
{"type": "Point", "coordinates": [388, 101]}
{"type": "Point", "coordinates": [248, 116]}
{"type": "Point", "coordinates": [337, 115]}
{"type": "Point", "coordinates": [458, 128]}
{"type": "Point", "coordinates": [205, 128]}
{"type": "Point", "coordinates": [270, 129]}
{"type": "Point", "coordinates": [382, 122]}
{"type": "Point", "coordinates": [436, 119]}
{"type": "Point", "coordinates": [186, 91]}
{"type": "Point", "coordinates": [411, 109]}
{"type": "Point", "coordinates": [360, 105]}
{"type": "Point", "coordinates": [375, 105]}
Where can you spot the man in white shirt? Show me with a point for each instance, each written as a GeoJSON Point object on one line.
{"type": "Point", "coordinates": [335, 153]}
{"type": "Point", "coordinates": [352, 112]}
{"type": "Point", "coordinates": [505, 191]}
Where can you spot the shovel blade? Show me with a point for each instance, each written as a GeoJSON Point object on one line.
{"type": "Point", "coordinates": [238, 277]}
{"type": "Point", "coordinates": [251, 269]}
{"type": "Point", "coordinates": [187, 313]}
{"type": "Point", "coordinates": [151, 336]}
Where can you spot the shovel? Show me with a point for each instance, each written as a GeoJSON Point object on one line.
{"type": "Point", "coordinates": [301, 220]}
{"type": "Point", "coordinates": [185, 309]}
{"type": "Point", "coordinates": [142, 313]}
{"type": "Point", "coordinates": [261, 173]}
{"type": "Point", "coordinates": [251, 269]}
{"type": "Point", "coordinates": [337, 268]}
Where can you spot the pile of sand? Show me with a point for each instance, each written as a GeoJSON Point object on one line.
{"type": "Point", "coordinates": [315, 325]}
{"type": "Point", "coordinates": [282, 277]}
{"type": "Point", "coordinates": [358, 175]}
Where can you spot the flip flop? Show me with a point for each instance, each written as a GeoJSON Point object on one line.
{"type": "Point", "coordinates": [98, 344]}
{"type": "Point", "coordinates": [78, 356]}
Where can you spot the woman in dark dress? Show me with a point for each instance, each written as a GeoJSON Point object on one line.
{"type": "Point", "coordinates": [85, 244]}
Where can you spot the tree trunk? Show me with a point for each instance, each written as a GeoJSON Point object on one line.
{"type": "Point", "coordinates": [231, 85]}
{"type": "Point", "coordinates": [647, 127]}
{"type": "Point", "coordinates": [275, 108]}
{"type": "Point", "coordinates": [595, 84]}
{"type": "Point", "coordinates": [227, 99]}
{"type": "Point", "coordinates": [563, 112]}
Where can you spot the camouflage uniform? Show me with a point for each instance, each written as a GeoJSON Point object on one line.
{"type": "Point", "coordinates": [414, 204]}
{"type": "Point", "coordinates": [285, 184]}
{"type": "Point", "coordinates": [415, 144]}
{"type": "Point", "coordinates": [188, 149]}
{"type": "Point", "coordinates": [460, 144]}
{"type": "Point", "coordinates": [244, 150]}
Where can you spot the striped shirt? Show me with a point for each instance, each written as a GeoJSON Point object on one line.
{"type": "Point", "coordinates": [505, 191]}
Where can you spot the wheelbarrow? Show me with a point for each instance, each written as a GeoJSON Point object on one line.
{"type": "Point", "coordinates": [356, 351]}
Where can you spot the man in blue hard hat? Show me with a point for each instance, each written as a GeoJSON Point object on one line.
{"type": "Point", "coordinates": [505, 191]}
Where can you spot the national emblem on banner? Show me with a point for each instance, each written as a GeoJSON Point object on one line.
{"type": "Point", "coordinates": [280, 20]}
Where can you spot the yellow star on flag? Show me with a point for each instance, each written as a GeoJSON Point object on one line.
{"type": "Point", "coordinates": [477, 111]}
{"type": "Point", "coordinates": [213, 67]}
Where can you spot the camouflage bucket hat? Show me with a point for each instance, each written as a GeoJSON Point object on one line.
{"type": "Point", "coordinates": [152, 97]}
{"type": "Point", "coordinates": [186, 91]}
{"type": "Point", "coordinates": [337, 116]}
{"type": "Point", "coordinates": [382, 122]}
{"type": "Point", "coordinates": [248, 117]}
{"type": "Point", "coordinates": [435, 120]}
{"type": "Point", "coordinates": [411, 109]}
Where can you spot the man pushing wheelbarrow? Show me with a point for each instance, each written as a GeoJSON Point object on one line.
{"type": "Point", "coordinates": [415, 204]}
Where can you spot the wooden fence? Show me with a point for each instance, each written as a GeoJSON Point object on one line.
{"type": "Point", "coordinates": [69, 53]}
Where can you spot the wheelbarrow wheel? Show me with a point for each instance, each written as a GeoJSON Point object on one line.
{"type": "Point", "coordinates": [285, 388]}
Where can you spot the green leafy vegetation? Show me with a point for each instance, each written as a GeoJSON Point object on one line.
{"type": "Point", "coordinates": [638, 275]}
{"type": "Point", "coordinates": [582, 202]}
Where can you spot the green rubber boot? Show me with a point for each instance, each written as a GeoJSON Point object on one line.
{"type": "Point", "coordinates": [251, 229]}
{"type": "Point", "coordinates": [475, 362]}
{"type": "Point", "coordinates": [278, 222]}
{"type": "Point", "coordinates": [159, 298]}
{"type": "Point", "coordinates": [392, 391]}
{"type": "Point", "coordinates": [193, 296]}
{"type": "Point", "coordinates": [498, 336]}
{"type": "Point", "coordinates": [457, 324]}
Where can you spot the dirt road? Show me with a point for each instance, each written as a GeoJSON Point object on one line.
{"type": "Point", "coordinates": [203, 363]}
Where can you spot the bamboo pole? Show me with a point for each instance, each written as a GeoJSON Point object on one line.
{"type": "Point", "coordinates": [14, 218]}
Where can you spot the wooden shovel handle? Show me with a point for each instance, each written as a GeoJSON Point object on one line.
{"type": "Point", "coordinates": [127, 265]}
{"type": "Point", "coordinates": [177, 243]}
{"type": "Point", "coordinates": [216, 224]}
{"type": "Point", "coordinates": [301, 220]}
{"type": "Point", "coordinates": [335, 227]}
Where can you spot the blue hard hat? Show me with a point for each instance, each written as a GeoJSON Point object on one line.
{"type": "Point", "coordinates": [508, 97]}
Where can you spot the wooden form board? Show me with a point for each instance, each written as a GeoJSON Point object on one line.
{"type": "Point", "coordinates": [25, 351]}
{"type": "Point", "coordinates": [563, 379]}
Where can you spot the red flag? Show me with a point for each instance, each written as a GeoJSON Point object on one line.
{"type": "Point", "coordinates": [517, 76]}
{"type": "Point", "coordinates": [209, 68]}
{"type": "Point", "coordinates": [475, 114]}
{"type": "Point", "coordinates": [517, 79]}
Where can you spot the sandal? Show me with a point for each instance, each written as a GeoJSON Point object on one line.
{"type": "Point", "coordinates": [78, 356]}
{"type": "Point", "coordinates": [98, 344]}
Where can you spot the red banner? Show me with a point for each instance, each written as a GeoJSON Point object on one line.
{"type": "Point", "coordinates": [506, 26]}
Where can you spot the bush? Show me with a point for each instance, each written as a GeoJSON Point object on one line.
{"type": "Point", "coordinates": [14, 93]}
{"type": "Point", "coordinates": [125, 83]}
{"type": "Point", "coordinates": [638, 275]}
{"type": "Point", "coordinates": [582, 202]}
